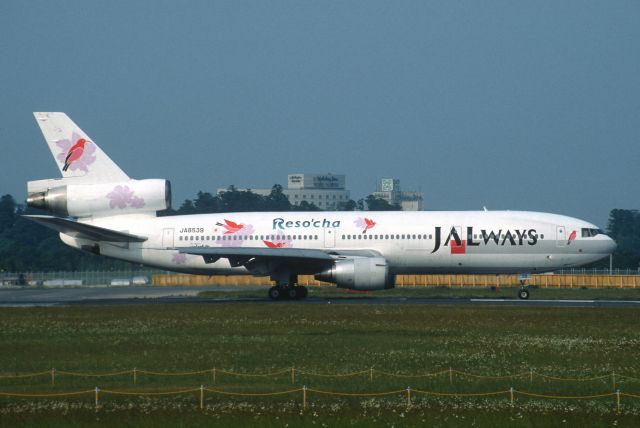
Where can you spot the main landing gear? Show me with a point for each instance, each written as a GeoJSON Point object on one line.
{"type": "Point", "coordinates": [523, 293]}
{"type": "Point", "coordinates": [286, 287]}
{"type": "Point", "coordinates": [295, 292]}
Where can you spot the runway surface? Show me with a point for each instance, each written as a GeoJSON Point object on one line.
{"type": "Point", "coordinates": [19, 297]}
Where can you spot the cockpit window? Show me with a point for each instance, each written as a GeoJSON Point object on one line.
{"type": "Point", "coordinates": [587, 233]}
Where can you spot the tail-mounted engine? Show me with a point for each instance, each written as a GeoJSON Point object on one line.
{"type": "Point", "coordinates": [63, 198]}
{"type": "Point", "coordinates": [361, 273]}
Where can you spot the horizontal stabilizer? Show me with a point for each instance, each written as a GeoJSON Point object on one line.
{"type": "Point", "coordinates": [84, 231]}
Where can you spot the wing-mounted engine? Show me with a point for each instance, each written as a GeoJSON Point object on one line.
{"type": "Point", "coordinates": [64, 197]}
{"type": "Point", "coordinates": [359, 273]}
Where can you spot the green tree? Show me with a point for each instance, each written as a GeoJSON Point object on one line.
{"type": "Point", "coordinates": [377, 204]}
{"type": "Point", "coordinates": [350, 205]}
{"type": "Point", "coordinates": [305, 206]}
{"type": "Point", "coordinates": [206, 203]}
{"type": "Point", "coordinates": [277, 200]}
{"type": "Point", "coordinates": [624, 228]}
{"type": "Point", "coordinates": [7, 212]}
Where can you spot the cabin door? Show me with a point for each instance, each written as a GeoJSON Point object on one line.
{"type": "Point", "coordinates": [167, 238]}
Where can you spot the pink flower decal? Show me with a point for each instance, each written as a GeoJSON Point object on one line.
{"type": "Point", "coordinates": [367, 223]}
{"type": "Point", "coordinates": [280, 241]}
{"type": "Point", "coordinates": [239, 237]}
{"type": "Point", "coordinates": [76, 153]}
{"type": "Point", "coordinates": [179, 258]}
{"type": "Point", "coordinates": [123, 197]}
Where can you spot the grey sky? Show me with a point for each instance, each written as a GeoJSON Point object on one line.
{"type": "Point", "coordinates": [512, 105]}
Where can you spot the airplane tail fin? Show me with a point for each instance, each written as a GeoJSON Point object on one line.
{"type": "Point", "coordinates": [92, 185]}
{"type": "Point", "coordinates": [77, 155]}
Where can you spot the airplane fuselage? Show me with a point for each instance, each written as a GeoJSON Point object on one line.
{"type": "Point", "coordinates": [97, 207]}
{"type": "Point", "coordinates": [411, 242]}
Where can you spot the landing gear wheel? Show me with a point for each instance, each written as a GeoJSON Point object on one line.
{"type": "Point", "coordinates": [523, 294]}
{"type": "Point", "coordinates": [293, 293]}
{"type": "Point", "coordinates": [275, 293]}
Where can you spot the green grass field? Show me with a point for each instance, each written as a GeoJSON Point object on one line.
{"type": "Point", "coordinates": [255, 338]}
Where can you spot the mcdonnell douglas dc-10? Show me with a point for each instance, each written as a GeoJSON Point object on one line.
{"type": "Point", "coordinates": [99, 209]}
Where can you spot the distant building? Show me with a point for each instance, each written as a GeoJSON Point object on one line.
{"type": "Point", "coordinates": [325, 191]}
{"type": "Point", "coordinates": [390, 191]}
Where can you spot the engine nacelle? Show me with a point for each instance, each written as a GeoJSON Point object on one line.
{"type": "Point", "coordinates": [101, 199]}
{"type": "Point", "coordinates": [361, 273]}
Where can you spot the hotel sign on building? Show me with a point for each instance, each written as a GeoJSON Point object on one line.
{"type": "Point", "coordinates": [326, 191]}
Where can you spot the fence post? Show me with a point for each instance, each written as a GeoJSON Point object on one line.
{"type": "Point", "coordinates": [408, 396]}
{"type": "Point", "coordinates": [201, 397]}
{"type": "Point", "coordinates": [450, 375]}
{"type": "Point", "coordinates": [511, 395]}
{"type": "Point", "coordinates": [371, 374]}
{"type": "Point", "coordinates": [214, 375]}
{"type": "Point", "coordinates": [135, 376]}
{"type": "Point", "coordinates": [613, 379]}
{"type": "Point", "coordinates": [53, 377]}
{"type": "Point", "coordinates": [618, 400]}
{"type": "Point", "coordinates": [530, 375]}
{"type": "Point", "coordinates": [304, 397]}
{"type": "Point", "coordinates": [293, 375]}
{"type": "Point", "coordinates": [97, 392]}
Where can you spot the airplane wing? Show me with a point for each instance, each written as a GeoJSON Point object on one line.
{"type": "Point", "coordinates": [84, 231]}
{"type": "Point", "coordinates": [239, 256]}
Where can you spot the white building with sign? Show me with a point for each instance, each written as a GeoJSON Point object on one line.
{"type": "Point", "coordinates": [325, 191]}
{"type": "Point", "coordinates": [390, 191]}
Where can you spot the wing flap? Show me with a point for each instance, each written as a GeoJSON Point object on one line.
{"type": "Point", "coordinates": [239, 252]}
{"type": "Point", "coordinates": [84, 231]}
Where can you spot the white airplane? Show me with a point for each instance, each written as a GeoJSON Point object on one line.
{"type": "Point", "coordinates": [99, 209]}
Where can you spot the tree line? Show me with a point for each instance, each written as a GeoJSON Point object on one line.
{"type": "Point", "coordinates": [233, 200]}
{"type": "Point", "coordinates": [26, 246]}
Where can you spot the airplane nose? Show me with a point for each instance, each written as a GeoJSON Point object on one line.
{"type": "Point", "coordinates": [610, 245]}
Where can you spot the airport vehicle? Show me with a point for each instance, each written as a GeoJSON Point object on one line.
{"type": "Point", "coordinates": [99, 209]}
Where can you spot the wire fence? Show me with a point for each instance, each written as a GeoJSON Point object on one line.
{"type": "Point", "coordinates": [408, 394]}
{"type": "Point", "coordinates": [80, 278]}
{"type": "Point", "coordinates": [593, 278]}
{"type": "Point", "coordinates": [299, 375]}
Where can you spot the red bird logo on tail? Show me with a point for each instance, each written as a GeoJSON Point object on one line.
{"type": "Point", "coordinates": [74, 153]}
